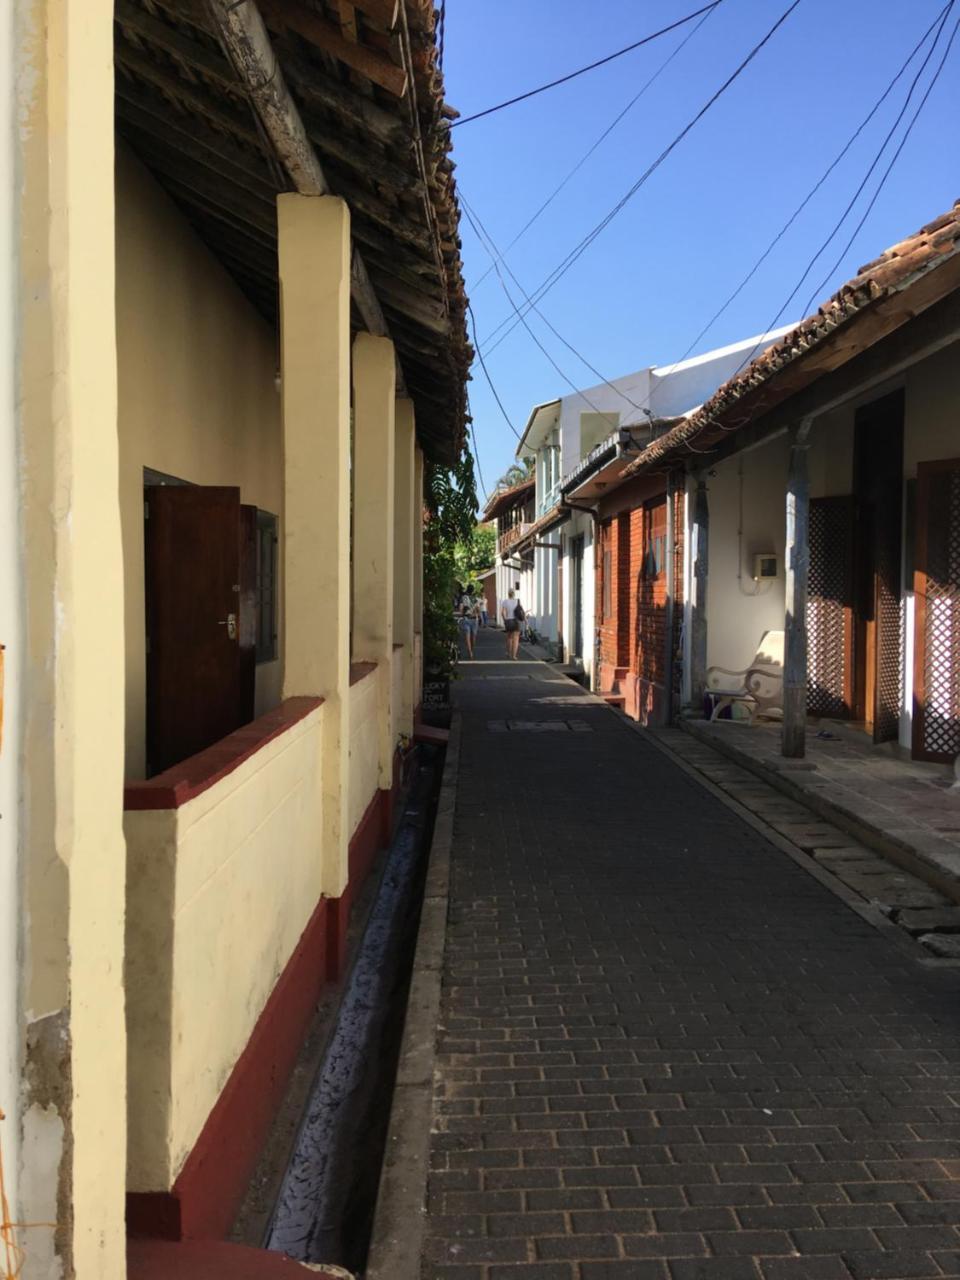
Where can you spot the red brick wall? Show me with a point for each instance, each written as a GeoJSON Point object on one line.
{"type": "Point", "coordinates": [631, 622]}
{"type": "Point", "coordinates": [615, 594]}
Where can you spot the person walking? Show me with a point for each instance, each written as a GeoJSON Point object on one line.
{"type": "Point", "coordinates": [512, 614]}
{"type": "Point", "coordinates": [469, 621]}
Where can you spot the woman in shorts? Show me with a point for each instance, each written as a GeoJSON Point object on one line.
{"type": "Point", "coordinates": [469, 621]}
{"type": "Point", "coordinates": [511, 623]}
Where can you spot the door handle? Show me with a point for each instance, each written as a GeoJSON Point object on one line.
{"type": "Point", "coordinates": [230, 622]}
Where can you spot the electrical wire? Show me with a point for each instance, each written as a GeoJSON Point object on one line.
{"type": "Point", "coordinates": [572, 257]}
{"type": "Point", "coordinates": [488, 244]}
{"type": "Point", "coordinates": [941, 20]}
{"type": "Point", "coordinates": [523, 320]}
{"type": "Point", "coordinates": [637, 44]}
{"type": "Point", "coordinates": [486, 374]}
{"type": "Point", "coordinates": [476, 452]}
{"type": "Point", "coordinates": [602, 138]}
{"type": "Point", "coordinates": [806, 200]}
{"type": "Point", "coordinates": [882, 183]}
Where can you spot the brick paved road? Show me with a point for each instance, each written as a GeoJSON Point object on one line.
{"type": "Point", "coordinates": [666, 1053]}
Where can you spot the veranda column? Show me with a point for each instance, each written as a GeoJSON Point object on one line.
{"type": "Point", "coordinates": [403, 589]}
{"type": "Point", "coordinates": [701, 551]}
{"type": "Point", "coordinates": [797, 563]}
{"type": "Point", "coordinates": [669, 657]}
{"type": "Point", "coordinates": [314, 257]}
{"type": "Point", "coordinates": [418, 468]}
{"type": "Point", "coordinates": [374, 397]}
{"type": "Point", "coordinates": [66, 673]}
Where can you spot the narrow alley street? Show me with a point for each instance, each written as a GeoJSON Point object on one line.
{"type": "Point", "coordinates": [665, 1051]}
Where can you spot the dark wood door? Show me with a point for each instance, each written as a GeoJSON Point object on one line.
{"type": "Point", "coordinates": [878, 494]}
{"type": "Point", "coordinates": [195, 687]}
{"type": "Point", "coordinates": [576, 594]}
{"type": "Point", "coordinates": [936, 587]}
{"type": "Point", "coordinates": [249, 604]}
{"type": "Point", "coordinates": [830, 608]}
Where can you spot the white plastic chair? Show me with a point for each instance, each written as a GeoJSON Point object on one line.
{"type": "Point", "coordinates": [759, 687]}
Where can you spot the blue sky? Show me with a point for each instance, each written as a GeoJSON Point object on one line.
{"type": "Point", "coordinates": [643, 291]}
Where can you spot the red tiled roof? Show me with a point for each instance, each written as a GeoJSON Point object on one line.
{"type": "Point", "coordinates": [901, 267]}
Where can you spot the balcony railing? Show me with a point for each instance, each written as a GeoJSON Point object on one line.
{"type": "Point", "coordinates": [549, 499]}
{"type": "Point", "coordinates": [513, 536]}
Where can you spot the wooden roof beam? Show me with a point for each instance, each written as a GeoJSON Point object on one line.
{"type": "Point", "coordinates": [247, 45]}
{"type": "Point", "coordinates": [288, 15]}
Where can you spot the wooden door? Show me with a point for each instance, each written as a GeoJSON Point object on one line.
{"type": "Point", "coordinates": [936, 587]}
{"type": "Point", "coordinates": [878, 493]}
{"type": "Point", "coordinates": [195, 673]}
{"type": "Point", "coordinates": [652, 592]}
{"type": "Point", "coordinates": [249, 608]}
{"type": "Point", "coordinates": [576, 594]}
{"type": "Point", "coordinates": [830, 608]}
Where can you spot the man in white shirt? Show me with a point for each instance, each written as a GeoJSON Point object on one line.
{"type": "Point", "coordinates": [511, 612]}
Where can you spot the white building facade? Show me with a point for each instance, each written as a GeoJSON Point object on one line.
{"type": "Point", "coordinates": [571, 435]}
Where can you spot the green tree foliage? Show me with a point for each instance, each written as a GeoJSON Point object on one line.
{"type": "Point", "coordinates": [516, 474]}
{"type": "Point", "coordinates": [474, 554]}
{"type": "Point", "coordinates": [450, 495]}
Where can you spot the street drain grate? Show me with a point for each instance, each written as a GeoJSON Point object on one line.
{"type": "Point", "coordinates": [539, 726]}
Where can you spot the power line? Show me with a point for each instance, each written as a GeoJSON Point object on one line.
{"type": "Point", "coordinates": [523, 320]}
{"type": "Point", "coordinates": [896, 155]}
{"type": "Point", "coordinates": [497, 258]}
{"type": "Point", "coordinates": [584, 244]}
{"type": "Point", "coordinates": [532, 93]}
{"type": "Point", "coordinates": [486, 374]}
{"type": "Point", "coordinates": [942, 20]}
{"type": "Point", "coordinates": [603, 136]}
{"type": "Point", "coordinates": [808, 197]}
{"type": "Point", "coordinates": [476, 455]}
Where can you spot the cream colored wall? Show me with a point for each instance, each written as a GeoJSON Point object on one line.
{"type": "Point", "coordinates": [417, 669]}
{"type": "Point", "coordinates": [396, 686]}
{"type": "Point", "coordinates": [197, 396]}
{"type": "Point", "coordinates": [11, 637]}
{"type": "Point", "coordinates": [738, 612]}
{"type": "Point", "coordinates": [932, 410]}
{"type": "Point", "coordinates": [71, 882]}
{"type": "Point", "coordinates": [364, 748]}
{"type": "Point", "coordinates": [220, 892]}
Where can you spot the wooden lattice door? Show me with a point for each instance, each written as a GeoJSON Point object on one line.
{"type": "Point", "coordinates": [936, 585]}
{"type": "Point", "coordinates": [830, 608]}
{"type": "Point", "coordinates": [878, 490]}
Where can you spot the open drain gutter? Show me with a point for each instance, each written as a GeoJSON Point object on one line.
{"type": "Point", "coordinates": [308, 1221]}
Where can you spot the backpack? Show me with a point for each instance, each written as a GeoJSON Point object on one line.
{"type": "Point", "coordinates": [518, 612]}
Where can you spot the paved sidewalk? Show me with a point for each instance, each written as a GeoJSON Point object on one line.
{"type": "Point", "coordinates": [665, 1051]}
{"type": "Point", "coordinates": [896, 804]}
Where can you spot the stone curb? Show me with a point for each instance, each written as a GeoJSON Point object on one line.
{"type": "Point", "coordinates": [897, 850]}
{"type": "Point", "coordinates": [399, 1219]}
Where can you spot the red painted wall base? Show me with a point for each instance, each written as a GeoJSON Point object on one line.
{"type": "Point", "coordinates": [204, 1200]}
{"type": "Point", "coordinates": [210, 1260]}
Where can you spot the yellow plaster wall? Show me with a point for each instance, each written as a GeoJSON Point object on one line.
{"type": "Point", "coordinates": [71, 644]}
{"type": "Point", "coordinates": [397, 668]}
{"type": "Point", "coordinates": [417, 669]}
{"type": "Point", "coordinates": [220, 893]}
{"type": "Point", "coordinates": [197, 396]}
{"type": "Point", "coordinates": [364, 748]}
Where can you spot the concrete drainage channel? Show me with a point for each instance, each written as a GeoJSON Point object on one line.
{"type": "Point", "coordinates": [325, 1208]}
